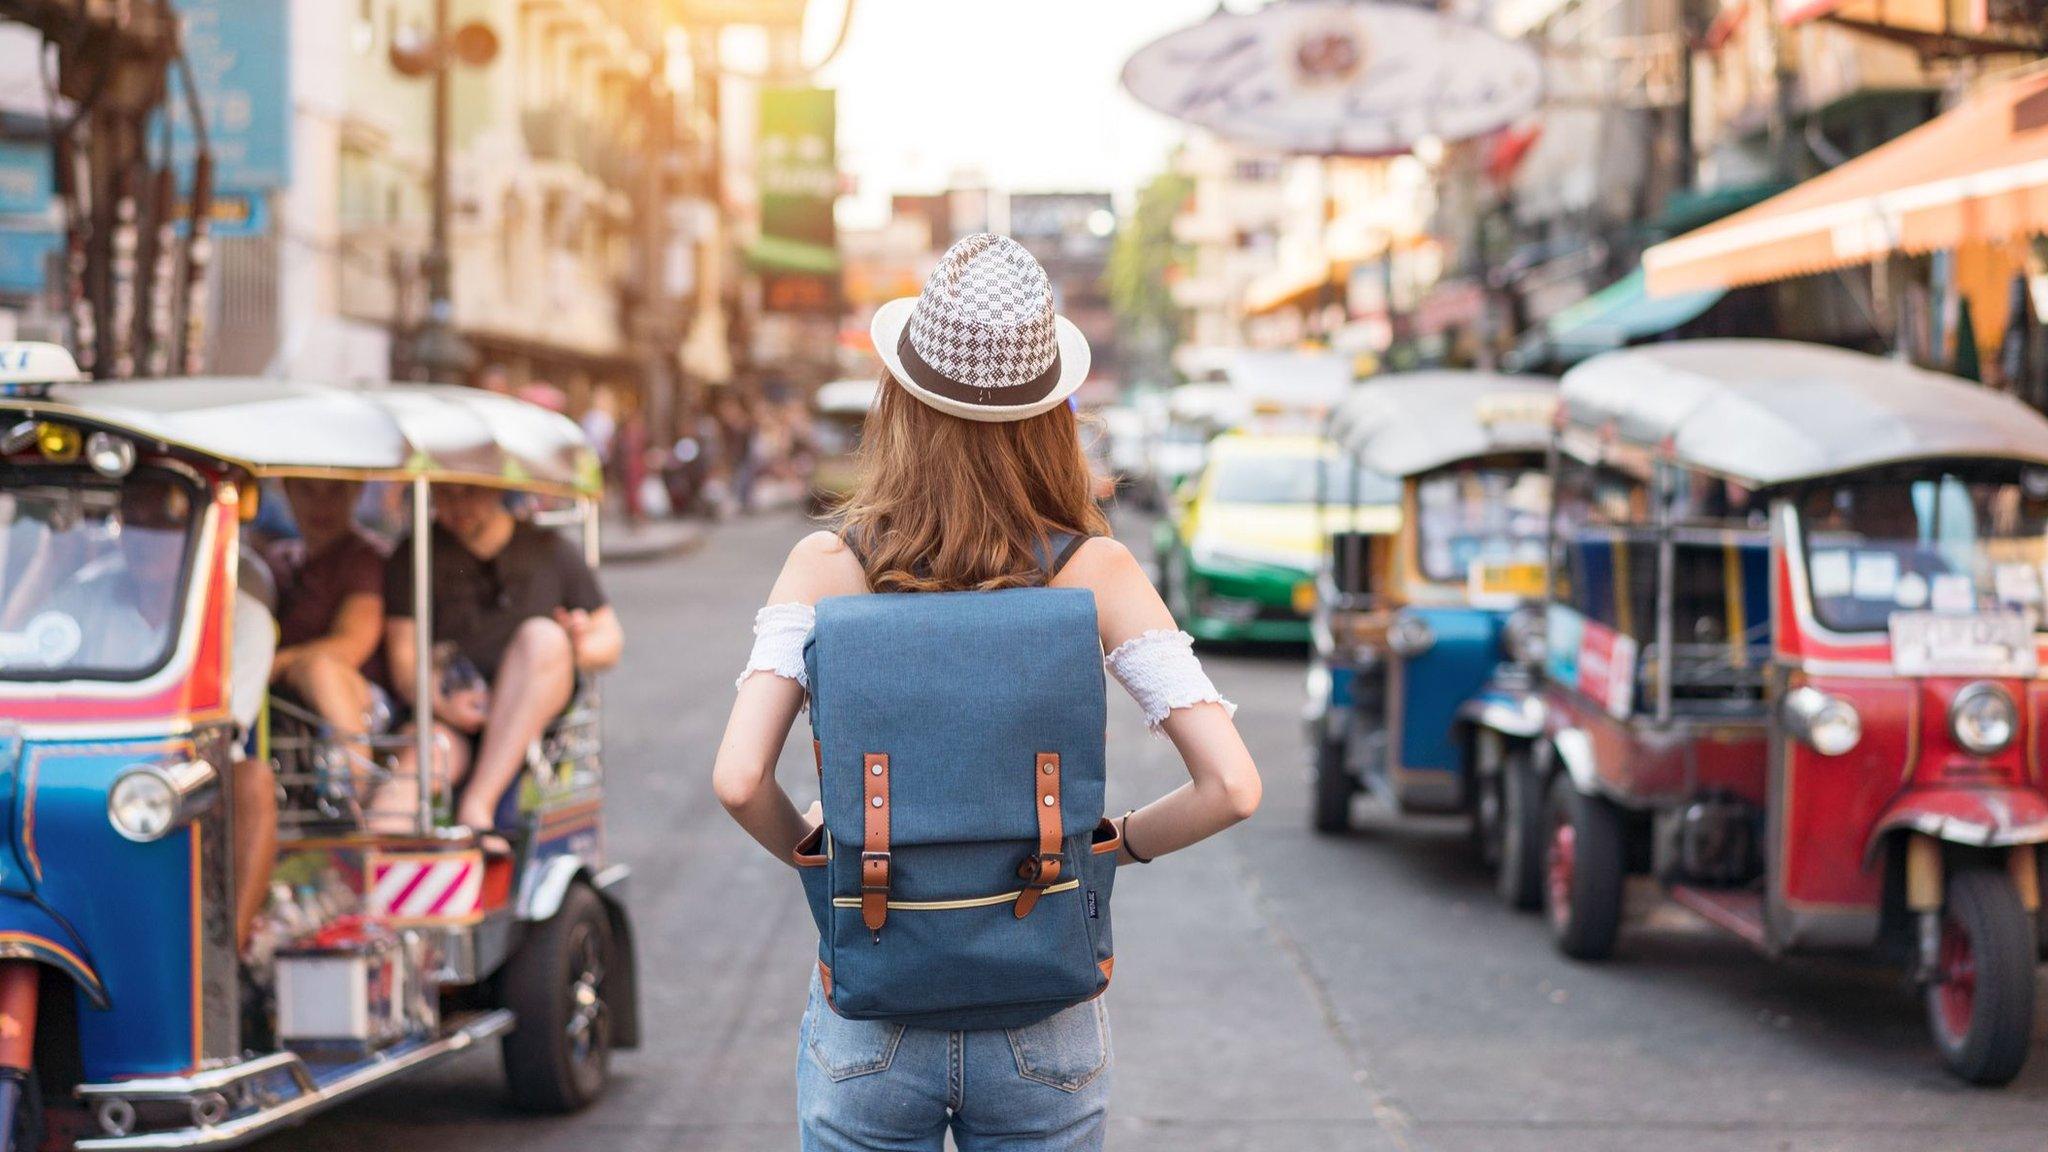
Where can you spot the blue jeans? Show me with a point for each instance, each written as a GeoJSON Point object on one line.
{"type": "Point", "coordinates": [867, 1086]}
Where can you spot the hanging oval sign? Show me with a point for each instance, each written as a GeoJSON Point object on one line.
{"type": "Point", "coordinates": [1337, 77]}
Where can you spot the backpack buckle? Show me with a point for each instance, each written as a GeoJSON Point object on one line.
{"type": "Point", "coordinates": [874, 871]}
{"type": "Point", "coordinates": [1040, 869]}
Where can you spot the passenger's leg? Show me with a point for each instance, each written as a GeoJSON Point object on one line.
{"type": "Point", "coordinates": [394, 807]}
{"type": "Point", "coordinates": [255, 819]}
{"type": "Point", "coordinates": [534, 682]}
{"type": "Point", "coordinates": [342, 697]}
{"type": "Point", "coordinates": [337, 692]}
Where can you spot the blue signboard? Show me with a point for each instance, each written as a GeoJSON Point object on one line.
{"type": "Point", "coordinates": [25, 184]}
{"type": "Point", "coordinates": [240, 52]}
{"type": "Point", "coordinates": [24, 257]}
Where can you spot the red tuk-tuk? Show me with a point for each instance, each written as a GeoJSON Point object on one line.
{"type": "Point", "coordinates": [1794, 670]}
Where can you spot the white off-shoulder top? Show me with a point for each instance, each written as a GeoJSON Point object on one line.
{"type": "Point", "coordinates": [1158, 668]}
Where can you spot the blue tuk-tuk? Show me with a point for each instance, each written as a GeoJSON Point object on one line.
{"type": "Point", "coordinates": [127, 1018]}
{"type": "Point", "coordinates": [1409, 627]}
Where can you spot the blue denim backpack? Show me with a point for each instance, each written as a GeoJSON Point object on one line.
{"type": "Point", "coordinates": [962, 876]}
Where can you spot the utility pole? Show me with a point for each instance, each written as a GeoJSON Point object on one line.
{"type": "Point", "coordinates": [439, 350]}
{"type": "Point", "coordinates": [654, 326]}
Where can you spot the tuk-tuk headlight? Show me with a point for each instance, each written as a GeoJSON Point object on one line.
{"type": "Point", "coordinates": [1525, 637]}
{"type": "Point", "coordinates": [147, 801]}
{"type": "Point", "coordinates": [1409, 636]}
{"type": "Point", "coordinates": [1983, 718]}
{"type": "Point", "coordinates": [1828, 724]}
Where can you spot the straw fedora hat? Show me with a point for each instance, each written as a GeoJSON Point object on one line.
{"type": "Point", "coordinates": [982, 341]}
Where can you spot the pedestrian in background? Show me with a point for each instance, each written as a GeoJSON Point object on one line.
{"type": "Point", "coordinates": [972, 472]}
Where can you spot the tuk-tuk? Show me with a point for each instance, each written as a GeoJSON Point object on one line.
{"type": "Point", "coordinates": [1794, 668]}
{"type": "Point", "coordinates": [1408, 627]}
{"type": "Point", "coordinates": [127, 1018]}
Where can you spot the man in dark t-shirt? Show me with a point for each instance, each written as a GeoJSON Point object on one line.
{"type": "Point", "coordinates": [330, 607]}
{"type": "Point", "coordinates": [519, 604]}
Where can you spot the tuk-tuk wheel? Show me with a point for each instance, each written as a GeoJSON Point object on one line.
{"type": "Point", "coordinates": [1980, 1002]}
{"type": "Point", "coordinates": [1518, 853]}
{"type": "Point", "coordinates": [558, 1054]}
{"type": "Point", "coordinates": [1334, 786]}
{"type": "Point", "coordinates": [1584, 867]}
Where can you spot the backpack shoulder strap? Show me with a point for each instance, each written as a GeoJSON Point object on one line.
{"type": "Point", "coordinates": [1060, 548]}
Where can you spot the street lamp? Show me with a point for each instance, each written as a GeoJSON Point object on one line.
{"type": "Point", "coordinates": [437, 348]}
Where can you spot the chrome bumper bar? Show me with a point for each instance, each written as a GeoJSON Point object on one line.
{"type": "Point", "coordinates": [235, 1131]}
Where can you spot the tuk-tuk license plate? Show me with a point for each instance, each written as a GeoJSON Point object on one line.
{"type": "Point", "coordinates": [1983, 644]}
{"type": "Point", "coordinates": [1493, 580]}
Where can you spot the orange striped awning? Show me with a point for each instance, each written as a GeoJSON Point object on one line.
{"type": "Point", "coordinates": [1977, 174]}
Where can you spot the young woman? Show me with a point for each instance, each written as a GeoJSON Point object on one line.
{"type": "Point", "coordinates": [971, 469]}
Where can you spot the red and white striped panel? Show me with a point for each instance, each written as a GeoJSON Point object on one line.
{"type": "Point", "coordinates": [426, 886]}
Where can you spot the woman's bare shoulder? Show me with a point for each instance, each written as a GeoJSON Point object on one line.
{"type": "Point", "coordinates": [820, 565]}
{"type": "Point", "coordinates": [1126, 604]}
{"type": "Point", "coordinates": [1100, 561]}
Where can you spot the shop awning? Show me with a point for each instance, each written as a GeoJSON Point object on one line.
{"type": "Point", "coordinates": [1936, 25]}
{"type": "Point", "coordinates": [1977, 174]}
{"type": "Point", "coordinates": [1619, 314]}
{"type": "Point", "coordinates": [1287, 286]}
{"type": "Point", "coordinates": [780, 254]}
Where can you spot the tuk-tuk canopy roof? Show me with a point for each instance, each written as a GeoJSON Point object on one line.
{"type": "Point", "coordinates": [1411, 422]}
{"type": "Point", "coordinates": [1767, 412]}
{"type": "Point", "coordinates": [287, 427]}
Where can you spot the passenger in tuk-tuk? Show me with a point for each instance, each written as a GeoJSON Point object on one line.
{"type": "Point", "coordinates": [330, 614]}
{"type": "Point", "coordinates": [517, 603]}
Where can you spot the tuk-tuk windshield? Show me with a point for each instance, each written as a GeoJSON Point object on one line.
{"type": "Point", "coordinates": [91, 571]}
{"type": "Point", "coordinates": [1492, 516]}
{"type": "Point", "coordinates": [1945, 544]}
{"type": "Point", "coordinates": [1277, 478]}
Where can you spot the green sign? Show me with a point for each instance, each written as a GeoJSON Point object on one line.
{"type": "Point", "coordinates": [798, 255]}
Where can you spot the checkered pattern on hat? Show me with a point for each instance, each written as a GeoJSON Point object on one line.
{"type": "Point", "coordinates": [985, 317]}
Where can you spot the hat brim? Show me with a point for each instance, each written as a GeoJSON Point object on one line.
{"type": "Point", "coordinates": [887, 331]}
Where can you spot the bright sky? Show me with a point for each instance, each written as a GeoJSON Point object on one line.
{"type": "Point", "coordinates": [1023, 91]}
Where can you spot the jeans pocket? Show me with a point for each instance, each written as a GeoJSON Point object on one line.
{"type": "Point", "coordinates": [1067, 1050]}
{"type": "Point", "coordinates": [842, 1048]}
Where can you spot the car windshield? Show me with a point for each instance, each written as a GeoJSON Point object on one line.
{"type": "Point", "coordinates": [1274, 478]}
{"type": "Point", "coordinates": [1490, 516]}
{"type": "Point", "coordinates": [1947, 544]}
{"type": "Point", "coordinates": [91, 571]}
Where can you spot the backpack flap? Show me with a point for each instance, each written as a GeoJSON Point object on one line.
{"type": "Point", "coordinates": [961, 739]}
{"type": "Point", "coordinates": [962, 692]}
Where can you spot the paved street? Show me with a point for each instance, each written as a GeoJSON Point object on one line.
{"type": "Point", "coordinates": [1274, 990]}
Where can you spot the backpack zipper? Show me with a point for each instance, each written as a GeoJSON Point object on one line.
{"type": "Point", "coordinates": [949, 905]}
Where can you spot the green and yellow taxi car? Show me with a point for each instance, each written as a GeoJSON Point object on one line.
{"type": "Point", "coordinates": [1238, 552]}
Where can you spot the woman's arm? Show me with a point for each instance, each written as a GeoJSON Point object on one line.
{"type": "Point", "coordinates": [744, 775]}
{"type": "Point", "coordinates": [1223, 783]}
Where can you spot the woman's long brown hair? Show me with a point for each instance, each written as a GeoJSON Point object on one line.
{"type": "Point", "coordinates": [944, 504]}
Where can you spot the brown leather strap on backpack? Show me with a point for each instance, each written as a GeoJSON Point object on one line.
{"type": "Point", "coordinates": [1041, 870]}
{"type": "Point", "coordinates": [874, 856]}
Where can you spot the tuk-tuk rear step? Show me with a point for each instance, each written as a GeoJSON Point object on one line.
{"type": "Point", "coordinates": [319, 1087]}
{"type": "Point", "coordinates": [1735, 911]}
